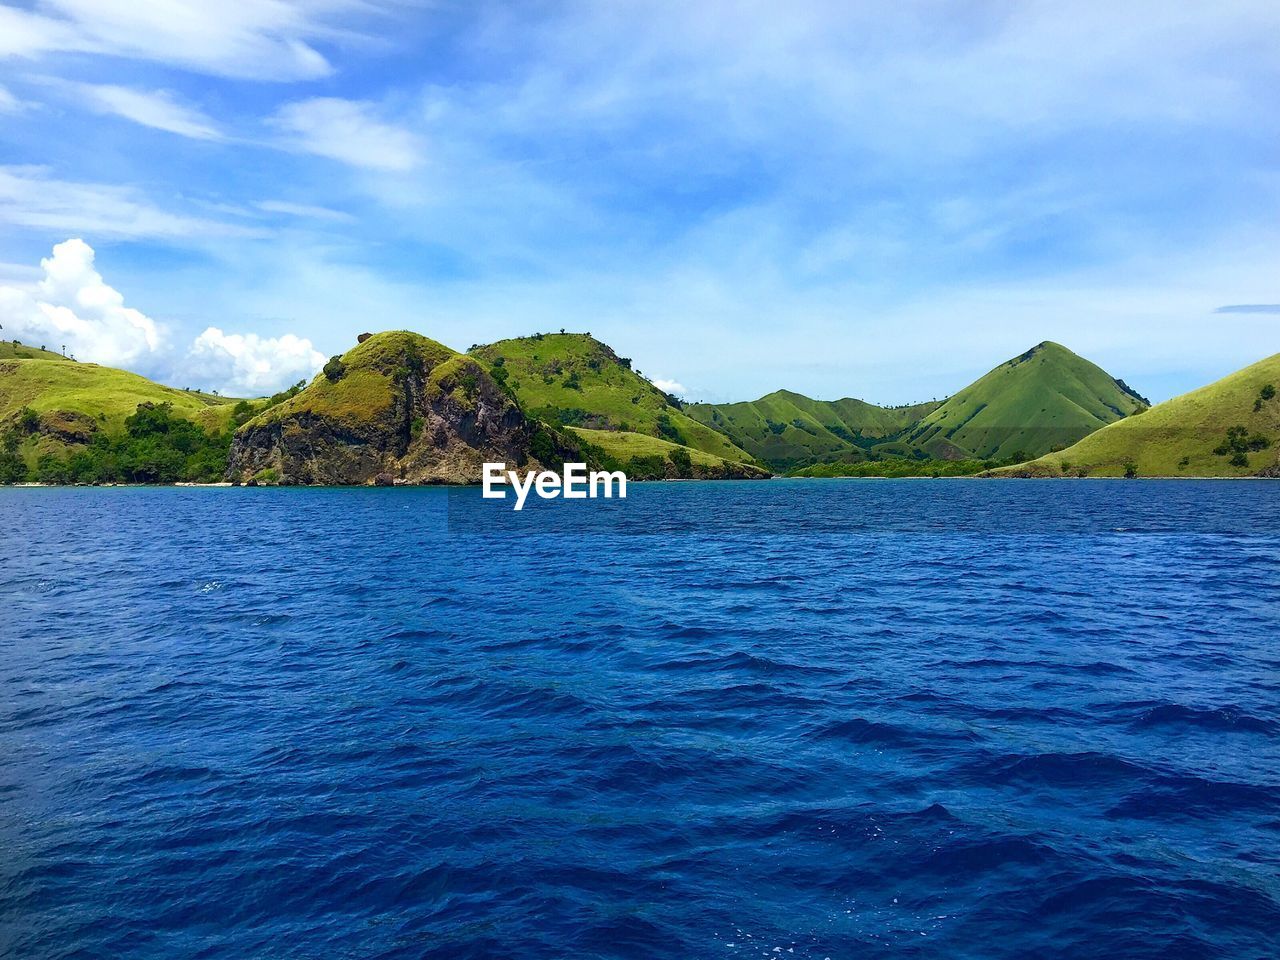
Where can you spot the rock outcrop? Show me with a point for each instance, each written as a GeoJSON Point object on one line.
{"type": "Point", "coordinates": [397, 408]}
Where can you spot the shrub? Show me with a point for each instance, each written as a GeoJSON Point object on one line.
{"type": "Point", "coordinates": [1239, 460]}
{"type": "Point", "coordinates": [335, 369]}
{"type": "Point", "coordinates": [668, 430]}
{"type": "Point", "coordinates": [681, 460]}
{"type": "Point", "coordinates": [1130, 470]}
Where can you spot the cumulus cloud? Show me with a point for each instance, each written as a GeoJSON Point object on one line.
{"type": "Point", "coordinates": [156, 109]}
{"type": "Point", "coordinates": [670, 386]}
{"type": "Point", "coordinates": [348, 131]}
{"type": "Point", "coordinates": [72, 305]}
{"type": "Point", "coordinates": [249, 365]}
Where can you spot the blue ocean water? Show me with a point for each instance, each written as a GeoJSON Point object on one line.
{"type": "Point", "coordinates": [844, 719]}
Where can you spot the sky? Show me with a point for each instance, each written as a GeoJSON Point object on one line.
{"type": "Point", "coordinates": [841, 198]}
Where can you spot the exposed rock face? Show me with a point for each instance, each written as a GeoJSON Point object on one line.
{"type": "Point", "coordinates": [404, 409]}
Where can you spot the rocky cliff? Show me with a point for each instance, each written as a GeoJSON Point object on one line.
{"type": "Point", "coordinates": [396, 408]}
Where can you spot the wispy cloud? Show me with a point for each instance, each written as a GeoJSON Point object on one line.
{"type": "Point", "coordinates": [1249, 308]}
{"type": "Point", "coordinates": [31, 197]}
{"type": "Point", "coordinates": [8, 102]}
{"type": "Point", "coordinates": [304, 210]}
{"type": "Point", "coordinates": [158, 109]}
{"type": "Point", "coordinates": [264, 40]}
{"type": "Point", "coordinates": [349, 131]}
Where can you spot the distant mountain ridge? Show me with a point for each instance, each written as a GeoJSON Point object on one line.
{"type": "Point", "coordinates": [787, 429]}
{"type": "Point", "coordinates": [1045, 398]}
{"type": "Point", "coordinates": [403, 407]}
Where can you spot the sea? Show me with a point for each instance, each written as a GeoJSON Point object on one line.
{"type": "Point", "coordinates": [787, 719]}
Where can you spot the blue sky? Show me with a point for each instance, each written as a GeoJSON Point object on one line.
{"type": "Point", "coordinates": [865, 199]}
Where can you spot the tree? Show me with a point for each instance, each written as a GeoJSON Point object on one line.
{"type": "Point", "coordinates": [335, 369]}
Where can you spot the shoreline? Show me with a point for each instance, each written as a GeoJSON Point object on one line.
{"type": "Point", "coordinates": [228, 484]}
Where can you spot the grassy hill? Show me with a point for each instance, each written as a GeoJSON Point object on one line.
{"type": "Point", "coordinates": [645, 457]}
{"type": "Point", "coordinates": [789, 430]}
{"type": "Point", "coordinates": [63, 421]}
{"type": "Point", "coordinates": [574, 380]}
{"type": "Point", "coordinates": [9, 350]}
{"type": "Point", "coordinates": [366, 387]}
{"type": "Point", "coordinates": [103, 394]}
{"type": "Point", "coordinates": [401, 408]}
{"type": "Point", "coordinates": [1045, 399]}
{"type": "Point", "coordinates": [1230, 428]}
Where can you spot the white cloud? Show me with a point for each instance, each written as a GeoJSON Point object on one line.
{"type": "Point", "coordinates": [265, 39]}
{"type": "Point", "coordinates": [305, 210]}
{"type": "Point", "coordinates": [29, 197]}
{"type": "Point", "coordinates": [8, 102]}
{"type": "Point", "coordinates": [249, 365]}
{"type": "Point", "coordinates": [670, 386]}
{"type": "Point", "coordinates": [157, 109]}
{"type": "Point", "coordinates": [348, 131]}
{"type": "Point", "coordinates": [72, 306]}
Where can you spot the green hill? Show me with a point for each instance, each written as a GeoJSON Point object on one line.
{"type": "Point", "coordinates": [63, 421]}
{"type": "Point", "coordinates": [103, 394]}
{"type": "Point", "coordinates": [788, 430]}
{"type": "Point", "coordinates": [1230, 428]}
{"type": "Point", "coordinates": [574, 380]}
{"type": "Point", "coordinates": [12, 350]}
{"type": "Point", "coordinates": [400, 408]}
{"type": "Point", "coordinates": [1045, 399]}
{"type": "Point", "coordinates": [648, 458]}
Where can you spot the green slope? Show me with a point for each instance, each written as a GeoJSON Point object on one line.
{"type": "Point", "coordinates": [574, 380]}
{"type": "Point", "coordinates": [789, 430]}
{"type": "Point", "coordinates": [11, 350]}
{"type": "Point", "coordinates": [1045, 399]}
{"type": "Point", "coordinates": [103, 394]}
{"type": "Point", "coordinates": [646, 457]}
{"type": "Point", "coordinates": [1186, 436]}
{"type": "Point", "coordinates": [63, 422]}
{"type": "Point", "coordinates": [366, 389]}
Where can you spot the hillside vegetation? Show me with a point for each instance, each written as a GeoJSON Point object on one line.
{"type": "Point", "coordinates": [574, 380]}
{"type": "Point", "coordinates": [1045, 399]}
{"type": "Point", "coordinates": [1230, 428]}
{"type": "Point", "coordinates": [103, 394]}
{"type": "Point", "coordinates": [789, 430]}
{"type": "Point", "coordinates": [643, 457]}
{"type": "Point", "coordinates": [397, 407]}
{"type": "Point", "coordinates": [68, 422]}
{"type": "Point", "coordinates": [12, 350]}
